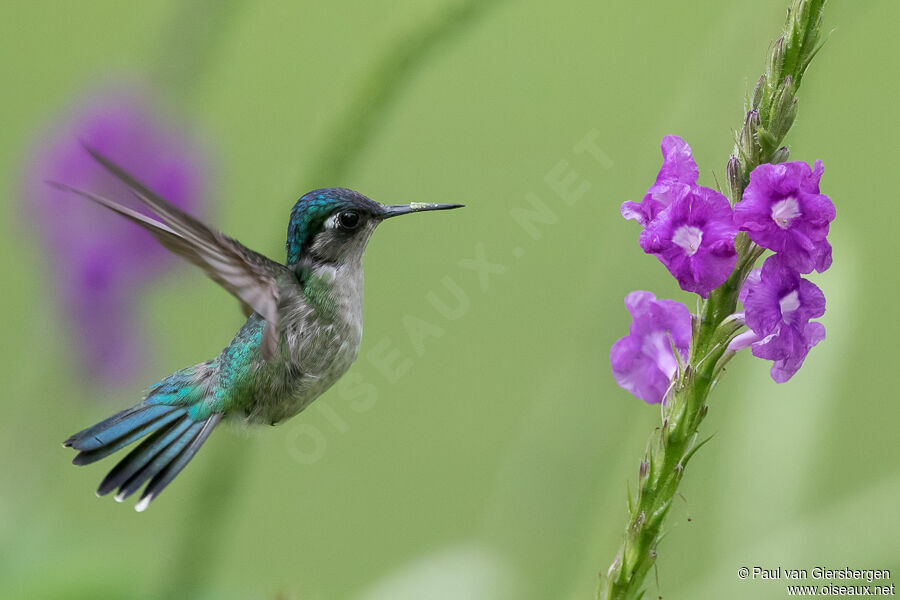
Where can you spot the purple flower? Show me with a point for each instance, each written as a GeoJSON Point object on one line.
{"type": "Point", "coordinates": [782, 210]}
{"type": "Point", "coordinates": [678, 171]}
{"type": "Point", "coordinates": [694, 239]}
{"type": "Point", "coordinates": [643, 361]}
{"type": "Point", "coordinates": [101, 263]}
{"type": "Point", "coordinates": [778, 306]}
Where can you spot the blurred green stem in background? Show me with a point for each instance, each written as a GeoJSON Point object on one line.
{"type": "Point", "coordinates": [203, 523]}
{"type": "Point", "coordinates": [345, 141]}
{"type": "Point", "coordinates": [188, 44]}
{"type": "Point", "coordinates": [190, 41]}
{"type": "Point", "coordinates": [770, 111]}
{"type": "Point", "coordinates": [186, 49]}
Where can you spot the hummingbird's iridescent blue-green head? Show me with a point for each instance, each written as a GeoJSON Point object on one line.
{"type": "Point", "coordinates": [334, 224]}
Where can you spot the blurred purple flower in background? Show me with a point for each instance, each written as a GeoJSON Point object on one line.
{"type": "Point", "coordinates": [643, 361]}
{"type": "Point", "coordinates": [101, 263]}
{"type": "Point", "coordinates": [778, 306]}
{"type": "Point", "coordinates": [677, 172]}
{"type": "Point", "coordinates": [783, 210]}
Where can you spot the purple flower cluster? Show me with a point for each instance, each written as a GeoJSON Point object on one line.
{"type": "Point", "coordinates": [688, 227]}
{"type": "Point", "coordinates": [783, 210]}
{"type": "Point", "coordinates": [691, 229]}
{"type": "Point", "coordinates": [678, 171]}
{"type": "Point", "coordinates": [643, 362]}
{"type": "Point", "coordinates": [102, 263]}
{"type": "Point", "coordinates": [779, 306]}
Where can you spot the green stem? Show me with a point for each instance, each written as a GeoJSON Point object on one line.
{"type": "Point", "coordinates": [189, 43]}
{"type": "Point", "coordinates": [184, 53]}
{"type": "Point", "coordinates": [771, 109]}
{"type": "Point", "coordinates": [358, 123]}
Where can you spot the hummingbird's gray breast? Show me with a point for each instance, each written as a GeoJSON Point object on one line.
{"type": "Point", "coordinates": [321, 329]}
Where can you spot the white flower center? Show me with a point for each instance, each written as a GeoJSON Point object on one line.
{"type": "Point", "coordinates": [688, 238]}
{"type": "Point", "coordinates": [785, 211]}
{"type": "Point", "coordinates": [658, 346]}
{"type": "Point", "coordinates": [788, 304]}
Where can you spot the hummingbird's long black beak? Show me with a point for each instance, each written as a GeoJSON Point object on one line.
{"type": "Point", "coordinates": [394, 210]}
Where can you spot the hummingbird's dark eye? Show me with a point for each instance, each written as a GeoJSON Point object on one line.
{"type": "Point", "coordinates": [349, 219]}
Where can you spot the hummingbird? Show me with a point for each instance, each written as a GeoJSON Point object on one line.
{"type": "Point", "coordinates": [302, 333]}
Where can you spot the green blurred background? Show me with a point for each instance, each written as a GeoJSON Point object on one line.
{"type": "Point", "coordinates": [496, 467]}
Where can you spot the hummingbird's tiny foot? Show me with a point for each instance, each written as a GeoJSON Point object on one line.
{"type": "Point", "coordinates": [142, 505]}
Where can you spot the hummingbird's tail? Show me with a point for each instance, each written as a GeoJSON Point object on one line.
{"type": "Point", "coordinates": [176, 416]}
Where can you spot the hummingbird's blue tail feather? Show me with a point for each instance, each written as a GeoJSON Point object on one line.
{"type": "Point", "coordinates": [176, 419]}
{"type": "Point", "coordinates": [99, 441]}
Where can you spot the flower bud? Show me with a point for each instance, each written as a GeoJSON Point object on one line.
{"type": "Point", "coordinates": [753, 121]}
{"type": "Point", "coordinates": [790, 113]}
{"type": "Point", "coordinates": [784, 109]}
{"type": "Point", "coordinates": [758, 91]}
{"type": "Point", "coordinates": [802, 12]}
{"type": "Point", "coordinates": [780, 155]}
{"type": "Point", "coordinates": [776, 61]}
{"type": "Point", "coordinates": [749, 145]}
{"type": "Point", "coordinates": [735, 178]}
{"type": "Point", "coordinates": [767, 142]}
{"type": "Point", "coordinates": [809, 22]}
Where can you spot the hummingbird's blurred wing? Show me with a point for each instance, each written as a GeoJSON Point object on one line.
{"type": "Point", "coordinates": [248, 275]}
